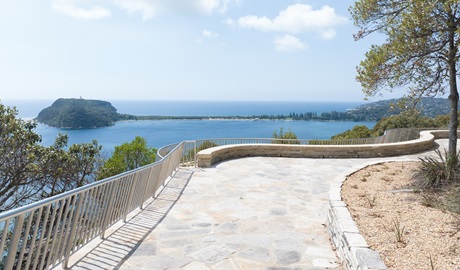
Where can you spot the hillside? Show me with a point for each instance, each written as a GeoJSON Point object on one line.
{"type": "Point", "coordinates": [82, 113]}
{"type": "Point", "coordinates": [78, 114]}
{"type": "Point", "coordinates": [375, 111]}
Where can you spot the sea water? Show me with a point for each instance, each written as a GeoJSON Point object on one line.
{"type": "Point", "coordinates": [159, 133]}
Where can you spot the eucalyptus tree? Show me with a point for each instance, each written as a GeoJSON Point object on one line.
{"type": "Point", "coordinates": [21, 179]}
{"type": "Point", "coordinates": [421, 50]}
{"type": "Point", "coordinates": [30, 171]}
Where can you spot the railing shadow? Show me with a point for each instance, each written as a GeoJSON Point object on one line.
{"type": "Point", "coordinates": [118, 246]}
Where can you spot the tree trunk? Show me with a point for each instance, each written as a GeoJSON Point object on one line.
{"type": "Point", "coordinates": [453, 98]}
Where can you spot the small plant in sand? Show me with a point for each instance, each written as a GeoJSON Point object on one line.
{"type": "Point", "coordinates": [371, 200]}
{"type": "Point", "coordinates": [398, 230]}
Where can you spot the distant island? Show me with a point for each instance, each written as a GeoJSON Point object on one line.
{"type": "Point", "coordinates": [78, 114]}
{"type": "Point", "coordinates": [84, 113]}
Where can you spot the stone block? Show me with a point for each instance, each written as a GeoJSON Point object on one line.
{"type": "Point", "coordinates": [354, 240]}
{"type": "Point", "coordinates": [348, 226]}
{"type": "Point", "coordinates": [368, 259]}
{"type": "Point", "coordinates": [342, 213]}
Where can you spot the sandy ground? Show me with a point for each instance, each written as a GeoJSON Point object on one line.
{"type": "Point", "coordinates": [395, 221]}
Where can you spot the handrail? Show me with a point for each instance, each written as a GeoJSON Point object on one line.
{"type": "Point", "coordinates": [48, 232]}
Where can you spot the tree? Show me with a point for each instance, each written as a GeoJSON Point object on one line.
{"type": "Point", "coordinates": [420, 51]}
{"type": "Point", "coordinates": [358, 131]}
{"type": "Point", "coordinates": [30, 172]}
{"type": "Point", "coordinates": [288, 137]}
{"type": "Point", "coordinates": [72, 168]}
{"type": "Point", "coordinates": [128, 156]}
{"type": "Point", "coordinates": [406, 119]}
{"type": "Point", "coordinates": [20, 156]}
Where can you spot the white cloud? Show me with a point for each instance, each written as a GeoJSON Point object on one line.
{"type": "Point", "coordinates": [229, 21]}
{"type": "Point", "coordinates": [147, 9]}
{"type": "Point", "coordinates": [206, 35]}
{"type": "Point", "coordinates": [209, 34]}
{"type": "Point", "coordinates": [297, 18]}
{"type": "Point", "coordinates": [288, 43]}
{"type": "Point", "coordinates": [70, 8]}
{"type": "Point", "coordinates": [150, 8]}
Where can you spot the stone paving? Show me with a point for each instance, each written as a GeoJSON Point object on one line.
{"type": "Point", "coordinates": [249, 213]}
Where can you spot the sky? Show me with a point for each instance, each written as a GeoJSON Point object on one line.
{"type": "Point", "coordinates": [254, 50]}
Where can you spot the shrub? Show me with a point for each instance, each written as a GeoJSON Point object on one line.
{"type": "Point", "coordinates": [206, 145]}
{"type": "Point", "coordinates": [358, 131]}
{"type": "Point", "coordinates": [288, 137]}
{"type": "Point", "coordinates": [437, 172]}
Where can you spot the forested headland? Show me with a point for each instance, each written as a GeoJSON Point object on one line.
{"type": "Point", "coordinates": [82, 113]}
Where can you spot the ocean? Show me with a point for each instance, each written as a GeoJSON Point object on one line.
{"type": "Point", "coordinates": [159, 133]}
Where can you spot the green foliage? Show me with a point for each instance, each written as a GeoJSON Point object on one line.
{"type": "Point", "coordinates": [30, 172]}
{"type": "Point", "coordinates": [399, 230]}
{"type": "Point", "coordinates": [406, 119]}
{"type": "Point", "coordinates": [78, 113]}
{"type": "Point", "coordinates": [288, 137]}
{"type": "Point", "coordinates": [438, 172]}
{"type": "Point", "coordinates": [420, 52]}
{"type": "Point", "coordinates": [67, 168]}
{"type": "Point", "coordinates": [128, 156]}
{"type": "Point", "coordinates": [20, 175]}
{"type": "Point", "coordinates": [206, 145]}
{"type": "Point", "coordinates": [417, 50]}
{"type": "Point", "coordinates": [358, 131]}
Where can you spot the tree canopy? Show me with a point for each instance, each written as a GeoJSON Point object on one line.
{"type": "Point", "coordinates": [128, 156]}
{"type": "Point", "coordinates": [420, 51]}
{"type": "Point", "coordinates": [30, 172]}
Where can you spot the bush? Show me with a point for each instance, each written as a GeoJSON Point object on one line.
{"type": "Point", "coordinates": [288, 137]}
{"type": "Point", "coordinates": [438, 172]}
{"type": "Point", "coordinates": [206, 145]}
{"type": "Point", "coordinates": [190, 155]}
{"type": "Point", "coordinates": [358, 131]}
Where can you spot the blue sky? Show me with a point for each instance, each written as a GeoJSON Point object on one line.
{"type": "Point", "coordinates": [180, 50]}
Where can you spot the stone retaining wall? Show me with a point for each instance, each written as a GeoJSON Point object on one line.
{"type": "Point", "coordinates": [206, 158]}
{"type": "Point", "coordinates": [351, 247]}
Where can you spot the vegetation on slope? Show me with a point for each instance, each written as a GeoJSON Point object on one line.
{"type": "Point", "coordinates": [406, 119]}
{"type": "Point", "coordinates": [79, 113]}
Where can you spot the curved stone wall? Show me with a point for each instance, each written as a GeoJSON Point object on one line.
{"type": "Point", "coordinates": [206, 158]}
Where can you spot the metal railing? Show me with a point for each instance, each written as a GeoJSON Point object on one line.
{"type": "Point", "coordinates": [48, 232]}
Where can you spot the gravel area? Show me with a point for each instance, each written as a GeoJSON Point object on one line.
{"type": "Point", "coordinates": [394, 220]}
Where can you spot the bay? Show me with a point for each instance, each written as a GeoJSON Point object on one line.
{"type": "Point", "coordinates": [159, 133]}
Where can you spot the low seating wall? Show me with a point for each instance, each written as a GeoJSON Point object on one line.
{"type": "Point", "coordinates": [206, 158]}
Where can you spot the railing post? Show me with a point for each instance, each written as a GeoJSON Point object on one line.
{"type": "Point", "coordinates": [194, 158]}
{"type": "Point", "coordinates": [132, 188]}
{"type": "Point", "coordinates": [109, 209]}
{"type": "Point", "coordinates": [141, 206]}
{"type": "Point", "coordinates": [73, 230]}
{"type": "Point", "coordinates": [14, 241]}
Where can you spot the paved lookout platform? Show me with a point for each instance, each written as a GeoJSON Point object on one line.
{"type": "Point", "coordinates": [248, 213]}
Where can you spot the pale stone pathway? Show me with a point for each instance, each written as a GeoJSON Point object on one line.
{"type": "Point", "coordinates": [249, 213]}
